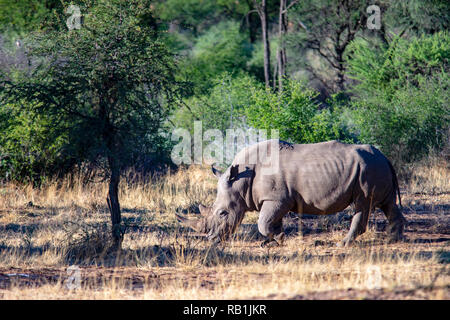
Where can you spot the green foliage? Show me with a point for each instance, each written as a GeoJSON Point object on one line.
{"type": "Point", "coordinates": [401, 101]}
{"type": "Point", "coordinates": [242, 101]}
{"type": "Point", "coordinates": [108, 84]}
{"type": "Point", "coordinates": [222, 108]}
{"type": "Point", "coordinates": [223, 48]}
{"type": "Point", "coordinates": [18, 17]}
{"type": "Point", "coordinates": [417, 16]}
{"type": "Point", "coordinates": [403, 62]}
{"type": "Point", "coordinates": [256, 61]}
{"type": "Point", "coordinates": [295, 112]}
{"type": "Point", "coordinates": [409, 124]}
{"type": "Point", "coordinates": [31, 146]}
{"type": "Point", "coordinates": [192, 14]}
{"type": "Point", "coordinates": [198, 16]}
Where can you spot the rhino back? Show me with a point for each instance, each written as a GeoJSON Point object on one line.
{"type": "Point", "coordinates": [320, 178]}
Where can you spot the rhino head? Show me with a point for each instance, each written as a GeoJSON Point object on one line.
{"type": "Point", "coordinates": [232, 201]}
{"type": "Point", "coordinates": [200, 224]}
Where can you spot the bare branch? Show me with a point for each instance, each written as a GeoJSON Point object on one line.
{"type": "Point", "coordinates": [289, 6]}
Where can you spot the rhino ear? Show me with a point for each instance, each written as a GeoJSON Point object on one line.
{"type": "Point", "coordinates": [234, 171]}
{"type": "Point", "coordinates": [216, 172]}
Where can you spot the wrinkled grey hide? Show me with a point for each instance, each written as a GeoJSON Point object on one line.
{"type": "Point", "coordinates": [321, 178]}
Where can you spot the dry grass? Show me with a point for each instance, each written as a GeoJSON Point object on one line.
{"type": "Point", "coordinates": [430, 176]}
{"type": "Point", "coordinates": [44, 231]}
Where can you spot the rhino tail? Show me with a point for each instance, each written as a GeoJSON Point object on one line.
{"type": "Point", "coordinates": [395, 181]}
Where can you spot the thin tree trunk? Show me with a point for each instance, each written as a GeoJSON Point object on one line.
{"type": "Point", "coordinates": [262, 12]}
{"type": "Point", "coordinates": [275, 71]}
{"type": "Point", "coordinates": [113, 202]}
{"type": "Point", "coordinates": [340, 73]}
{"type": "Point", "coordinates": [281, 54]}
{"type": "Point", "coordinates": [113, 191]}
{"type": "Point", "coordinates": [340, 49]}
{"type": "Point", "coordinates": [250, 21]}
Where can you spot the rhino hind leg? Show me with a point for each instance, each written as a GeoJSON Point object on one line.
{"type": "Point", "coordinates": [358, 227]}
{"type": "Point", "coordinates": [396, 221]}
{"type": "Point", "coordinates": [270, 222]}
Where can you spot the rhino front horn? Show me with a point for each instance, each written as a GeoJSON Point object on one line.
{"type": "Point", "coordinates": [187, 222]}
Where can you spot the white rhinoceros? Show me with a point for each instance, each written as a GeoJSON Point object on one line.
{"type": "Point", "coordinates": [321, 178]}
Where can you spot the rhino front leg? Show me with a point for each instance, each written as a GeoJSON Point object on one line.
{"type": "Point", "coordinates": [358, 226]}
{"type": "Point", "coordinates": [270, 221]}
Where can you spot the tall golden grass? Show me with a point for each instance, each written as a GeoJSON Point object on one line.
{"type": "Point", "coordinates": [45, 230]}
{"type": "Point", "coordinates": [429, 176]}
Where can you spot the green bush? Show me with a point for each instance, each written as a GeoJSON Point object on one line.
{"type": "Point", "coordinates": [17, 17]}
{"type": "Point", "coordinates": [83, 103]}
{"type": "Point", "coordinates": [32, 146]}
{"type": "Point", "coordinates": [223, 48]}
{"type": "Point", "coordinates": [405, 62]}
{"type": "Point", "coordinates": [222, 108]}
{"type": "Point", "coordinates": [241, 101]}
{"type": "Point", "coordinates": [296, 113]}
{"type": "Point", "coordinates": [401, 98]}
{"type": "Point", "coordinates": [410, 124]}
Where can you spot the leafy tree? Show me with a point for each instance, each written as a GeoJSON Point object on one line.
{"type": "Point", "coordinates": [222, 107]}
{"type": "Point", "coordinates": [109, 82]}
{"type": "Point", "coordinates": [404, 61]}
{"type": "Point", "coordinates": [416, 17]}
{"type": "Point", "coordinates": [17, 17]}
{"type": "Point", "coordinates": [326, 27]}
{"type": "Point", "coordinates": [223, 48]}
{"type": "Point", "coordinates": [31, 146]}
